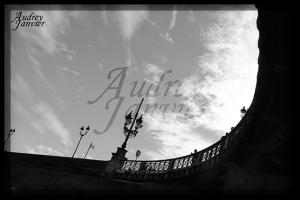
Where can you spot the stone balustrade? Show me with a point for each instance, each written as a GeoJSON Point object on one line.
{"type": "Point", "coordinates": [141, 170]}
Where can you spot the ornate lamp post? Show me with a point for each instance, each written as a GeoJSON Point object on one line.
{"type": "Point", "coordinates": [119, 156]}
{"type": "Point", "coordinates": [129, 133]}
{"type": "Point", "coordinates": [82, 133]}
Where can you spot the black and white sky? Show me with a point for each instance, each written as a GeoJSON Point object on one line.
{"type": "Point", "coordinates": [208, 58]}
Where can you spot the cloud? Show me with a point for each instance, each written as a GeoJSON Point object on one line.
{"type": "Point", "coordinates": [173, 20]}
{"type": "Point", "coordinates": [37, 67]}
{"type": "Point", "coordinates": [100, 65]}
{"type": "Point", "coordinates": [39, 114]}
{"type": "Point", "coordinates": [104, 17]}
{"type": "Point", "coordinates": [21, 89]}
{"type": "Point", "coordinates": [35, 62]}
{"type": "Point", "coordinates": [42, 119]}
{"type": "Point", "coordinates": [46, 39]}
{"type": "Point", "coordinates": [226, 77]}
{"type": "Point", "coordinates": [130, 21]}
{"type": "Point", "coordinates": [43, 150]}
{"type": "Point", "coordinates": [155, 72]}
{"type": "Point", "coordinates": [64, 48]}
{"type": "Point", "coordinates": [69, 76]}
{"type": "Point", "coordinates": [151, 22]}
{"type": "Point", "coordinates": [166, 36]}
{"type": "Point", "coordinates": [191, 17]}
{"type": "Point", "coordinates": [130, 59]}
{"type": "Point", "coordinates": [69, 53]}
{"type": "Point", "coordinates": [18, 106]}
{"type": "Point", "coordinates": [174, 134]}
{"type": "Point", "coordinates": [223, 82]}
{"type": "Point", "coordinates": [70, 70]}
{"type": "Point", "coordinates": [48, 120]}
{"type": "Point", "coordinates": [46, 36]}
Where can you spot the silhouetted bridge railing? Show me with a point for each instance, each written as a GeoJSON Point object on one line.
{"type": "Point", "coordinates": [183, 166]}
{"type": "Point", "coordinates": [134, 170]}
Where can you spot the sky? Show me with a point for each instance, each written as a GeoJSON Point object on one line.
{"type": "Point", "coordinates": [195, 68]}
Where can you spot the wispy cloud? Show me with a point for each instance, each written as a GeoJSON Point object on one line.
{"type": "Point", "coordinates": [104, 16]}
{"type": "Point", "coordinates": [155, 72]}
{"type": "Point", "coordinates": [68, 52]}
{"type": "Point", "coordinates": [39, 114]}
{"type": "Point", "coordinates": [191, 17]}
{"type": "Point", "coordinates": [46, 37]}
{"type": "Point", "coordinates": [100, 65]}
{"type": "Point", "coordinates": [128, 21]}
{"type": "Point", "coordinates": [129, 56]}
{"type": "Point", "coordinates": [56, 24]}
{"type": "Point", "coordinates": [43, 150]}
{"type": "Point", "coordinates": [63, 48]}
{"type": "Point", "coordinates": [173, 20]}
{"type": "Point", "coordinates": [21, 89]}
{"type": "Point", "coordinates": [49, 121]}
{"type": "Point", "coordinates": [38, 68]}
{"type": "Point", "coordinates": [229, 68]}
{"type": "Point", "coordinates": [70, 70]}
{"type": "Point", "coordinates": [69, 76]}
{"type": "Point", "coordinates": [223, 82]}
{"type": "Point", "coordinates": [166, 36]}
{"type": "Point", "coordinates": [43, 120]}
{"type": "Point", "coordinates": [174, 133]}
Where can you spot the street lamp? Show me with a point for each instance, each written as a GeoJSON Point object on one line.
{"type": "Point", "coordinates": [82, 133]}
{"type": "Point", "coordinates": [118, 157]}
{"type": "Point", "coordinates": [128, 132]}
{"type": "Point", "coordinates": [10, 133]}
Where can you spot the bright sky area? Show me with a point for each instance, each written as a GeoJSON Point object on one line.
{"type": "Point", "coordinates": [198, 67]}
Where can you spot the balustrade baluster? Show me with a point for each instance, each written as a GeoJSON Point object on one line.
{"type": "Point", "coordinates": [213, 152]}
{"type": "Point", "coordinates": [180, 163]}
{"type": "Point", "coordinates": [225, 146]}
{"type": "Point", "coordinates": [190, 162]}
{"type": "Point", "coordinates": [171, 164]}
